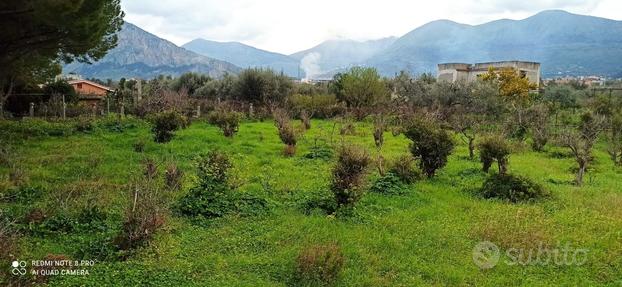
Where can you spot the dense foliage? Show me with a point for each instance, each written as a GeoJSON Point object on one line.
{"type": "Point", "coordinates": [431, 145]}
{"type": "Point", "coordinates": [165, 124]}
{"type": "Point", "coordinates": [512, 188]}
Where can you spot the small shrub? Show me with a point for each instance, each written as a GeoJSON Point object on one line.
{"type": "Point", "coordinates": [389, 184]}
{"type": "Point", "coordinates": [165, 124]}
{"type": "Point", "coordinates": [92, 218]}
{"type": "Point", "coordinates": [24, 195]}
{"type": "Point", "coordinates": [305, 118]}
{"type": "Point", "coordinates": [319, 152]}
{"type": "Point", "coordinates": [227, 121]}
{"type": "Point", "coordinates": [348, 175]}
{"type": "Point", "coordinates": [512, 188]}
{"type": "Point", "coordinates": [494, 148]}
{"type": "Point", "coordinates": [287, 133]}
{"type": "Point", "coordinates": [35, 216]}
{"type": "Point", "coordinates": [84, 125]}
{"type": "Point", "coordinates": [59, 223]}
{"type": "Point", "coordinates": [139, 146]}
{"type": "Point", "coordinates": [404, 168]}
{"type": "Point", "coordinates": [143, 217]}
{"type": "Point", "coordinates": [151, 169]}
{"type": "Point", "coordinates": [319, 265]}
{"type": "Point", "coordinates": [431, 145]}
{"type": "Point", "coordinates": [319, 200]}
{"type": "Point", "coordinates": [100, 248]}
{"type": "Point", "coordinates": [173, 177]}
{"type": "Point", "coordinates": [539, 125]}
{"type": "Point", "coordinates": [213, 195]}
{"type": "Point", "coordinates": [347, 128]}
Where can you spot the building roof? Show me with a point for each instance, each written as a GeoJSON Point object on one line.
{"type": "Point", "coordinates": [73, 82]}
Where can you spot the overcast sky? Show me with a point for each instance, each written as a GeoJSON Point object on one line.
{"type": "Point", "coordinates": [288, 26]}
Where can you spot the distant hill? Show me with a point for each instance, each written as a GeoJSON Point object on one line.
{"type": "Point", "coordinates": [338, 54]}
{"type": "Point", "coordinates": [565, 44]}
{"type": "Point", "coordinates": [244, 56]}
{"type": "Point", "coordinates": [144, 55]}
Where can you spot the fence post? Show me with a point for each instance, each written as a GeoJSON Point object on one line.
{"type": "Point", "coordinates": [198, 111]}
{"type": "Point", "coordinates": [107, 105]}
{"type": "Point", "coordinates": [64, 108]}
{"type": "Point", "coordinates": [251, 111]}
{"type": "Point", "coordinates": [32, 109]}
{"type": "Point", "coordinates": [122, 113]}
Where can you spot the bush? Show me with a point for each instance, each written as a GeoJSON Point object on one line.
{"type": "Point", "coordinates": [147, 211]}
{"type": "Point", "coordinates": [139, 146]}
{"type": "Point", "coordinates": [539, 124]}
{"type": "Point", "coordinates": [319, 152]}
{"type": "Point", "coordinates": [144, 216]}
{"type": "Point", "coordinates": [213, 196]}
{"type": "Point", "coordinates": [165, 124]}
{"type": "Point", "coordinates": [319, 265]}
{"type": "Point", "coordinates": [512, 188]}
{"type": "Point", "coordinates": [390, 183]}
{"type": "Point", "coordinates": [494, 148]}
{"type": "Point", "coordinates": [287, 134]}
{"type": "Point", "coordinates": [33, 127]}
{"type": "Point", "coordinates": [305, 117]}
{"type": "Point", "coordinates": [404, 168]}
{"type": "Point", "coordinates": [84, 125]}
{"type": "Point", "coordinates": [348, 175]}
{"type": "Point", "coordinates": [320, 106]}
{"type": "Point", "coordinates": [380, 127]}
{"type": "Point", "coordinates": [227, 121]}
{"type": "Point", "coordinates": [173, 177]}
{"type": "Point", "coordinates": [431, 145]}
{"type": "Point", "coordinates": [24, 195]}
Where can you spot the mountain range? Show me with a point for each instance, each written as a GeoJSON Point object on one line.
{"type": "Point", "coordinates": [244, 56]}
{"type": "Point", "coordinates": [564, 43]}
{"type": "Point", "coordinates": [140, 54]}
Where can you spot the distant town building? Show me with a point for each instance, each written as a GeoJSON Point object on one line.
{"type": "Point", "coordinates": [589, 81]}
{"type": "Point", "coordinates": [90, 92]}
{"type": "Point", "coordinates": [454, 72]}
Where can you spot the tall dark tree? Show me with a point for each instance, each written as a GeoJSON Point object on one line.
{"type": "Point", "coordinates": [37, 35]}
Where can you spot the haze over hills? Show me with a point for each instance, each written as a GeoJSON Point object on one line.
{"type": "Point", "coordinates": [340, 53]}
{"type": "Point", "coordinates": [144, 55]}
{"type": "Point", "coordinates": [245, 56]}
{"type": "Point", "coordinates": [565, 44]}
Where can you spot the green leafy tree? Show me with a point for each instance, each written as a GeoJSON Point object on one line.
{"type": "Point", "coordinates": [430, 144]}
{"type": "Point", "coordinates": [191, 82]}
{"type": "Point", "coordinates": [61, 88]}
{"type": "Point", "coordinates": [362, 87]}
{"type": "Point", "coordinates": [39, 34]}
{"type": "Point", "coordinates": [263, 87]}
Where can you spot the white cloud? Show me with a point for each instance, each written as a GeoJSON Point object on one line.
{"type": "Point", "coordinates": [288, 26]}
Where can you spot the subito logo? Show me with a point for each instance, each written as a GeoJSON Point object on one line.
{"type": "Point", "coordinates": [486, 255]}
{"type": "Point", "coordinates": [18, 268]}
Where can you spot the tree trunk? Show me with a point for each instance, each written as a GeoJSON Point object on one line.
{"type": "Point", "coordinates": [471, 148]}
{"type": "Point", "coordinates": [581, 173]}
{"type": "Point", "coordinates": [503, 166]}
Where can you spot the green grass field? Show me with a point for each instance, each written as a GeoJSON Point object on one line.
{"type": "Point", "coordinates": [424, 237]}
